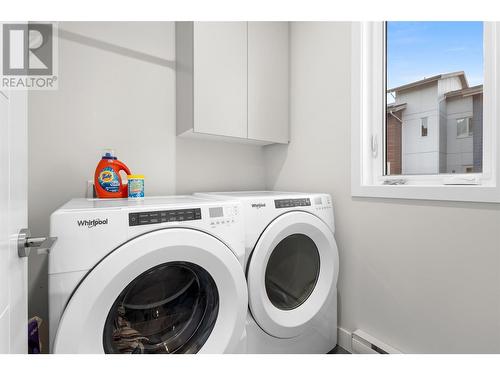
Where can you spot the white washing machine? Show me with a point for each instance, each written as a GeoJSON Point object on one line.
{"type": "Point", "coordinates": [292, 266]}
{"type": "Point", "coordinates": [158, 275]}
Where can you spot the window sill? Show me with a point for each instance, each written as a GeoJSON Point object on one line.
{"type": "Point", "coordinates": [460, 193]}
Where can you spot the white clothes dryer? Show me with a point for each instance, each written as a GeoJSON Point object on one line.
{"type": "Point", "coordinates": [157, 275]}
{"type": "Point", "coordinates": [292, 267]}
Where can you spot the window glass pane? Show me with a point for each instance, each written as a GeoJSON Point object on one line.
{"type": "Point", "coordinates": [434, 102]}
{"type": "Point", "coordinates": [171, 308]}
{"type": "Point", "coordinates": [462, 127]}
{"type": "Point", "coordinates": [423, 127]}
{"type": "Point", "coordinates": [292, 271]}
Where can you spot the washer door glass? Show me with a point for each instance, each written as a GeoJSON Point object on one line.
{"type": "Point", "coordinates": [171, 308]}
{"type": "Point", "coordinates": [292, 271]}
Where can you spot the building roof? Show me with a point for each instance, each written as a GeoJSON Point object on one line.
{"type": "Point", "coordinates": [469, 91]}
{"type": "Point", "coordinates": [393, 107]}
{"type": "Point", "coordinates": [432, 79]}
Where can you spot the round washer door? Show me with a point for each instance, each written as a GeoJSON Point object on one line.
{"type": "Point", "coordinates": [173, 290]}
{"type": "Point", "coordinates": [292, 270]}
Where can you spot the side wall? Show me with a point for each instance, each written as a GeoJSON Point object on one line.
{"type": "Point", "coordinates": [393, 137]}
{"type": "Point", "coordinates": [477, 126]}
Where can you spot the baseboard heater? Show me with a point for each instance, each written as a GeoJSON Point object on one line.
{"type": "Point", "coordinates": [363, 343]}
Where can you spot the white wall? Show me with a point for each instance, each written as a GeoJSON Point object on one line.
{"type": "Point", "coordinates": [117, 89]}
{"type": "Point", "coordinates": [421, 276]}
{"type": "Point", "coordinates": [420, 154]}
{"type": "Point", "coordinates": [448, 84]}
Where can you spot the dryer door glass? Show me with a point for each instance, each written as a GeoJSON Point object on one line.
{"type": "Point", "coordinates": [171, 308]}
{"type": "Point", "coordinates": [292, 271]}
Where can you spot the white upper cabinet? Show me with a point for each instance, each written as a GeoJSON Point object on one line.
{"type": "Point", "coordinates": [268, 90]}
{"type": "Point", "coordinates": [232, 80]}
{"type": "Point", "coordinates": [220, 82]}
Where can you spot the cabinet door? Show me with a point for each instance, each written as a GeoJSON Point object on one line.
{"type": "Point", "coordinates": [268, 72]}
{"type": "Point", "coordinates": [220, 78]}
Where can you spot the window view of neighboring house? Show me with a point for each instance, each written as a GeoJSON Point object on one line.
{"type": "Point", "coordinates": [434, 125]}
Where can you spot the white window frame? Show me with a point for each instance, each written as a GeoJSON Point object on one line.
{"type": "Point", "coordinates": [368, 133]}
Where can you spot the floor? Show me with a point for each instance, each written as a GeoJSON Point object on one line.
{"type": "Point", "coordinates": [338, 350]}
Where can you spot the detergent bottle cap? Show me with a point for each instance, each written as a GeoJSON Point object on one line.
{"type": "Point", "coordinates": [108, 153]}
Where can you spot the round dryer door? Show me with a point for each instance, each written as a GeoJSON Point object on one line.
{"type": "Point", "coordinates": [292, 271]}
{"type": "Point", "coordinates": [174, 290]}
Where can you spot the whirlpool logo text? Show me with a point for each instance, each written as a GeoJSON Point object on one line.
{"type": "Point", "coordinates": [258, 205]}
{"type": "Point", "coordinates": [92, 223]}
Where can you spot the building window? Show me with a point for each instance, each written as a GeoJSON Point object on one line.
{"type": "Point", "coordinates": [423, 127]}
{"type": "Point", "coordinates": [464, 127]}
{"type": "Point", "coordinates": [424, 110]}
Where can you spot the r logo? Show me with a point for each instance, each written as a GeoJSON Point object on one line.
{"type": "Point", "coordinates": [27, 49]}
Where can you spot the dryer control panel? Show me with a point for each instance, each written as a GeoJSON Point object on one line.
{"type": "Point", "coordinates": [287, 203]}
{"type": "Point", "coordinates": [155, 217]}
{"type": "Point", "coordinates": [222, 216]}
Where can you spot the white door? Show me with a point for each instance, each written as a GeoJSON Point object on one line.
{"type": "Point", "coordinates": [174, 290]}
{"type": "Point", "coordinates": [13, 217]}
{"type": "Point", "coordinates": [292, 271]}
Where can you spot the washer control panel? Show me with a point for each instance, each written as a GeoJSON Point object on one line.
{"type": "Point", "coordinates": [155, 217]}
{"type": "Point", "coordinates": [287, 203]}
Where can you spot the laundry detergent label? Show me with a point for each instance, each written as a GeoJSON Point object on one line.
{"type": "Point", "coordinates": [109, 180]}
{"type": "Point", "coordinates": [135, 188]}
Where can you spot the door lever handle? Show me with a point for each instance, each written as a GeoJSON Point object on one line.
{"type": "Point", "coordinates": [25, 243]}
